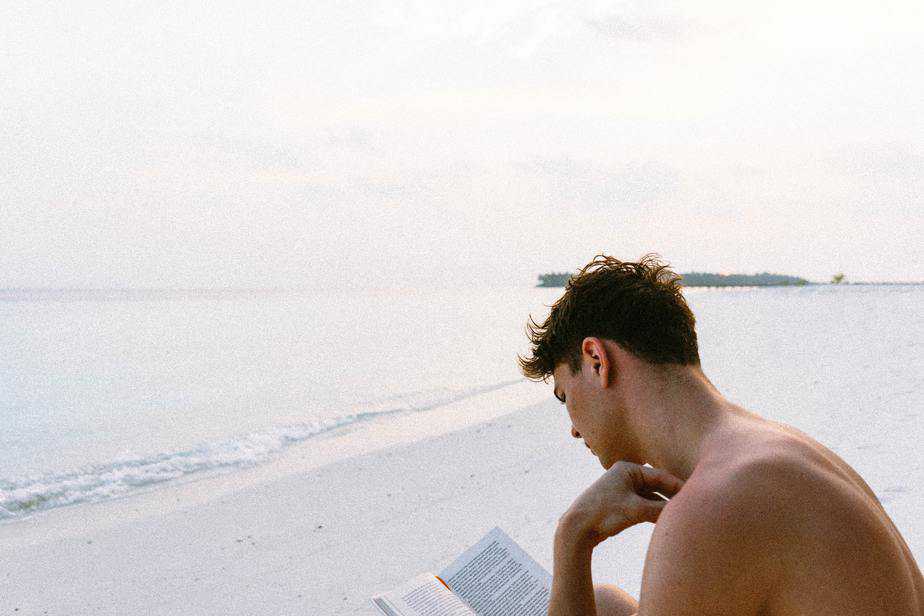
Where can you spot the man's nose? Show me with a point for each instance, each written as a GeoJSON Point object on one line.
{"type": "Point", "coordinates": [575, 433]}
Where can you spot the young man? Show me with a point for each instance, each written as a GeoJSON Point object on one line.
{"type": "Point", "coordinates": [762, 519]}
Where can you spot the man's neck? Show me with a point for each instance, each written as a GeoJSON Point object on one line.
{"type": "Point", "coordinates": [677, 412]}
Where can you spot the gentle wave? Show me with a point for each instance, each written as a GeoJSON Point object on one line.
{"type": "Point", "coordinates": [122, 476]}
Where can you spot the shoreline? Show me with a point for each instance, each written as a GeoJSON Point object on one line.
{"type": "Point", "coordinates": [349, 436]}
{"type": "Point", "coordinates": [320, 541]}
{"type": "Point", "coordinates": [297, 538]}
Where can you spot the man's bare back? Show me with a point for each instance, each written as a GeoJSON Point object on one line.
{"type": "Point", "coordinates": [810, 535]}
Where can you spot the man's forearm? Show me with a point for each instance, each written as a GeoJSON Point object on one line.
{"type": "Point", "coordinates": [572, 582]}
{"type": "Point", "coordinates": [620, 498]}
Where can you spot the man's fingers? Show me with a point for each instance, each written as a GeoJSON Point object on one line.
{"type": "Point", "coordinates": [649, 510]}
{"type": "Point", "coordinates": [657, 480]}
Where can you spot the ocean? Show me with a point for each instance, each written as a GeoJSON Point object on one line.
{"type": "Point", "coordinates": [106, 392]}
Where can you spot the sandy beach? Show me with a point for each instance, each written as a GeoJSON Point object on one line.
{"type": "Point", "coordinates": [317, 541]}
{"type": "Point", "coordinates": [295, 537]}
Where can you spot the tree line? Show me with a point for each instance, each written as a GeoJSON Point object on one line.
{"type": "Point", "coordinates": [701, 279]}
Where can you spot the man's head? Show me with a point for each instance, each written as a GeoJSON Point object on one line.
{"type": "Point", "coordinates": [614, 315]}
{"type": "Point", "coordinates": [639, 306]}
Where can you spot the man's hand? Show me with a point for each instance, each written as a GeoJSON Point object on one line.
{"type": "Point", "coordinates": [623, 496]}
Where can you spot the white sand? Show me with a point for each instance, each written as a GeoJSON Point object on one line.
{"type": "Point", "coordinates": [320, 541]}
{"type": "Point", "coordinates": [294, 538]}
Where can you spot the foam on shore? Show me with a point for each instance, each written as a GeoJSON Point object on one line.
{"type": "Point", "coordinates": [123, 476]}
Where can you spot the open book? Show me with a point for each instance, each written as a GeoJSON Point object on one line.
{"type": "Point", "coordinates": [494, 577]}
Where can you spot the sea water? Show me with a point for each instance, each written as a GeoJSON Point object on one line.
{"type": "Point", "coordinates": [106, 392]}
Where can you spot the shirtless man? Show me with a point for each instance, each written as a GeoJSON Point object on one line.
{"type": "Point", "coordinates": [761, 519]}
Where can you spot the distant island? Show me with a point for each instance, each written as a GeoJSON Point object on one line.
{"type": "Point", "coordinates": [702, 279]}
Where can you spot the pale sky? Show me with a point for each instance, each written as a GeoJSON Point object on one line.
{"type": "Point", "coordinates": [396, 143]}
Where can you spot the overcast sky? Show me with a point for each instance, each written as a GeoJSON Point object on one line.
{"type": "Point", "coordinates": [192, 144]}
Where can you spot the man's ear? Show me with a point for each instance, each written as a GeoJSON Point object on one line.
{"type": "Point", "coordinates": [595, 352]}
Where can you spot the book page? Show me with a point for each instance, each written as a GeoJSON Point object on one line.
{"type": "Point", "coordinates": [497, 578]}
{"type": "Point", "coordinates": [425, 595]}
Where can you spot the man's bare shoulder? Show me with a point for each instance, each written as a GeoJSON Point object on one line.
{"type": "Point", "coordinates": [777, 524]}
{"type": "Point", "coordinates": [765, 481]}
{"type": "Point", "coordinates": [711, 551]}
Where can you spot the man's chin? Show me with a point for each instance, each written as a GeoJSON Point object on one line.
{"type": "Point", "coordinates": [607, 463]}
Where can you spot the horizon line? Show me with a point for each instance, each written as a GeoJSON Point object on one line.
{"type": "Point", "coordinates": [277, 289]}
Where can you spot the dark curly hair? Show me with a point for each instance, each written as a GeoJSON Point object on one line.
{"type": "Point", "coordinates": [639, 306]}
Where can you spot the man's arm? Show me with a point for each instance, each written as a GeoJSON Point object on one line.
{"type": "Point", "coordinates": [572, 577]}
{"type": "Point", "coordinates": [712, 552]}
{"type": "Point", "coordinates": [622, 497]}
{"type": "Point", "coordinates": [572, 584]}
